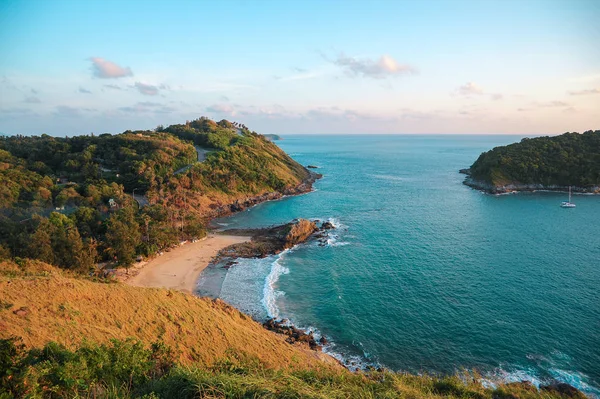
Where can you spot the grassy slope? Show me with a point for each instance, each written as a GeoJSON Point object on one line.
{"type": "Point", "coordinates": [69, 310]}
{"type": "Point", "coordinates": [219, 352]}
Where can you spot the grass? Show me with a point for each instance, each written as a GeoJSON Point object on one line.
{"type": "Point", "coordinates": [127, 369]}
{"type": "Point", "coordinates": [68, 310]}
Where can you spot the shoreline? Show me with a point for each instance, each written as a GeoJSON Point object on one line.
{"type": "Point", "coordinates": [180, 268]}
{"type": "Point", "coordinates": [524, 188]}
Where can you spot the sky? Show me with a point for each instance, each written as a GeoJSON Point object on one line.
{"type": "Point", "coordinates": [311, 67]}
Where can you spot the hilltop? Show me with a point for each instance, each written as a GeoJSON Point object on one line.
{"type": "Point", "coordinates": [542, 163]}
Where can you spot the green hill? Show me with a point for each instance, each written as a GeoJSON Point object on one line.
{"type": "Point", "coordinates": [69, 201]}
{"type": "Point", "coordinates": [551, 163]}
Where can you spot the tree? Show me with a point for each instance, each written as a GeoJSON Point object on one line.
{"type": "Point", "coordinates": [40, 242]}
{"type": "Point", "coordinates": [123, 236]}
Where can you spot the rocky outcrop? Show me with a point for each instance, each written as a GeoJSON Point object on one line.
{"type": "Point", "coordinates": [563, 389]}
{"type": "Point", "coordinates": [294, 334]}
{"type": "Point", "coordinates": [299, 232]}
{"type": "Point", "coordinates": [271, 240]}
{"type": "Point", "coordinates": [513, 187]}
{"type": "Point", "coordinates": [312, 167]}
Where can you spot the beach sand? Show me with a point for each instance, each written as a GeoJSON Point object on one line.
{"type": "Point", "coordinates": [180, 268]}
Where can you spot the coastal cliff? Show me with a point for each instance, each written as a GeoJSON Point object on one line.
{"type": "Point", "coordinates": [542, 163]}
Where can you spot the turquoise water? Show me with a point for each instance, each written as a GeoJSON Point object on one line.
{"type": "Point", "coordinates": [426, 274]}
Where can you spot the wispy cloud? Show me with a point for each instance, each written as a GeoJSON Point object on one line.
{"type": "Point", "coordinates": [382, 68]}
{"type": "Point", "coordinates": [149, 104]}
{"type": "Point", "coordinates": [70, 112]}
{"type": "Point", "coordinates": [147, 107]}
{"type": "Point", "coordinates": [471, 89]}
{"type": "Point", "coordinates": [553, 104]}
{"type": "Point", "coordinates": [299, 76]}
{"type": "Point", "coordinates": [105, 69]}
{"type": "Point", "coordinates": [221, 109]}
{"type": "Point", "coordinates": [113, 87]}
{"type": "Point", "coordinates": [584, 92]}
{"type": "Point", "coordinates": [84, 91]}
{"type": "Point", "coordinates": [32, 100]}
{"type": "Point", "coordinates": [146, 89]}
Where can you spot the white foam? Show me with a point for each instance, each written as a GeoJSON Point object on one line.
{"type": "Point", "coordinates": [531, 374]}
{"type": "Point", "coordinates": [270, 292]}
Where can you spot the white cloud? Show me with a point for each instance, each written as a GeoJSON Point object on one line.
{"type": "Point", "coordinates": [105, 69]}
{"type": "Point", "coordinates": [385, 67]}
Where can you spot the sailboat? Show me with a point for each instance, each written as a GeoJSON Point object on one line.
{"type": "Point", "coordinates": [568, 204]}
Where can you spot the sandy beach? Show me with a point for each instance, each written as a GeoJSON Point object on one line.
{"type": "Point", "coordinates": [180, 268]}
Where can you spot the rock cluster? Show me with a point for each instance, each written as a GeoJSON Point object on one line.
{"type": "Point", "coordinates": [293, 334]}
{"type": "Point", "coordinates": [272, 240]}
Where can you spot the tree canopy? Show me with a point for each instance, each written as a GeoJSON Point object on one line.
{"type": "Point", "coordinates": [571, 159]}
{"type": "Point", "coordinates": [61, 197]}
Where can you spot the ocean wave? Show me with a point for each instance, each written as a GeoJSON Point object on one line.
{"type": "Point", "coordinates": [270, 293]}
{"type": "Point", "coordinates": [546, 370]}
{"type": "Point", "coordinates": [353, 362]}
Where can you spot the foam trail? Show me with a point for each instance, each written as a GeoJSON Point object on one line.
{"type": "Point", "coordinates": [270, 294]}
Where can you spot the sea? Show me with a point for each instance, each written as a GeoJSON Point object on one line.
{"type": "Point", "coordinates": [424, 274]}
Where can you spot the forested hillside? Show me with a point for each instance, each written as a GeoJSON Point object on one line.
{"type": "Point", "coordinates": [570, 159]}
{"type": "Point", "coordinates": [70, 201]}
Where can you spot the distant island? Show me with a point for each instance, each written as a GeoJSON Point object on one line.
{"type": "Point", "coordinates": [272, 137]}
{"type": "Point", "coordinates": [542, 163]}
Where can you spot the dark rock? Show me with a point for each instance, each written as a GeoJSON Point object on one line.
{"type": "Point", "coordinates": [327, 226]}
{"type": "Point", "coordinates": [323, 341]}
{"type": "Point", "coordinates": [312, 167]}
{"type": "Point", "coordinates": [294, 334]}
{"type": "Point", "coordinates": [22, 311]}
{"type": "Point", "coordinates": [465, 171]}
{"type": "Point", "coordinates": [563, 389]}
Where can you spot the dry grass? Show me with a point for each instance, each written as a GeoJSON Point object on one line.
{"type": "Point", "coordinates": [69, 310]}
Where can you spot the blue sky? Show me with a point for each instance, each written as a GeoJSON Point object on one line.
{"type": "Point", "coordinates": [521, 67]}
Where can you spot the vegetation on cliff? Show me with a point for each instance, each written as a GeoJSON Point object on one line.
{"type": "Point", "coordinates": [570, 159]}
{"type": "Point", "coordinates": [64, 336]}
{"type": "Point", "coordinates": [69, 201]}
